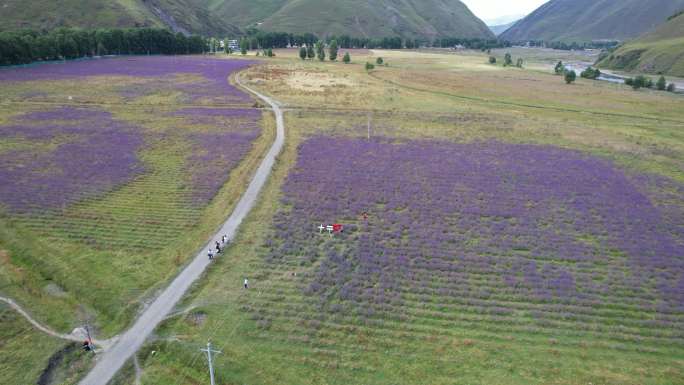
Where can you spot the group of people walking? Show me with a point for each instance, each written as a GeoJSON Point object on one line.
{"type": "Point", "coordinates": [218, 248]}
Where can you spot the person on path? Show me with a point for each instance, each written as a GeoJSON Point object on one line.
{"type": "Point", "coordinates": [224, 240]}
{"type": "Point", "coordinates": [218, 247]}
{"type": "Point", "coordinates": [210, 253]}
{"type": "Point", "coordinates": [246, 283]}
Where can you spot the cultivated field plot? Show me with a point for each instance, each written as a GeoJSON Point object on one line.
{"type": "Point", "coordinates": [490, 237]}
{"type": "Point", "coordinates": [513, 237]}
{"type": "Point", "coordinates": [114, 172]}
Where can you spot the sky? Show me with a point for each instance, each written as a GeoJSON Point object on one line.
{"type": "Point", "coordinates": [492, 9]}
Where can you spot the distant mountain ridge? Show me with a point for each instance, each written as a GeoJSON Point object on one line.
{"type": "Point", "coordinates": [659, 51]}
{"type": "Point", "coordinates": [422, 19]}
{"type": "Point", "coordinates": [587, 20]}
{"type": "Point", "coordinates": [499, 29]}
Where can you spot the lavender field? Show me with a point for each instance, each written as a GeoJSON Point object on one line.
{"type": "Point", "coordinates": [483, 241]}
{"type": "Point", "coordinates": [115, 168]}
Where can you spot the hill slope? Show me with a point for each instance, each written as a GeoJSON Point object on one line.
{"type": "Point", "coordinates": [179, 15]}
{"type": "Point", "coordinates": [586, 20]}
{"type": "Point", "coordinates": [659, 51]}
{"type": "Point", "coordinates": [380, 18]}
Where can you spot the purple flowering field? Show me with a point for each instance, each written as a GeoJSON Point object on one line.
{"type": "Point", "coordinates": [487, 239]}
{"type": "Point", "coordinates": [93, 154]}
{"type": "Point", "coordinates": [208, 85]}
{"type": "Point", "coordinates": [92, 179]}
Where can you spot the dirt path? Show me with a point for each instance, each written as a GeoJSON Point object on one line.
{"type": "Point", "coordinates": [114, 358]}
{"type": "Point", "coordinates": [77, 335]}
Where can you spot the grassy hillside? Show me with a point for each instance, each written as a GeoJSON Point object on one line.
{"type": "Point", "coordinates": [179, 15]}
{"type": "Point", "coordinates": [409, 18]}
{"type": "Point", "coordinates": [660, 51]}
{"type": "Point", "coordinates": [585, 20]}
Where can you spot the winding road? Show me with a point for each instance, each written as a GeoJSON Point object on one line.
{"type": "Point", "coordinates": [128, 343]}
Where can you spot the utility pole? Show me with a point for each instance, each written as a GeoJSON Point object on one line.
{"type": "Point", "coordinates": [209, 350]}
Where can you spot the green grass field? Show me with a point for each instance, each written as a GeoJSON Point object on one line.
{"type": "Point", "coordinates": [271, 334]}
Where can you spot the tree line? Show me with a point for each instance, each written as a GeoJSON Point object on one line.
{"type": "Point", "coordinates": [256, 40]}
{"type": "Point", "coordinates": [571, 46]}
{"type": "Point", "coordinates": [22, 47]}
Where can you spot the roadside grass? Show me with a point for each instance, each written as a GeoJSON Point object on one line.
{"type": "Point", "coordinates": [269, 334]}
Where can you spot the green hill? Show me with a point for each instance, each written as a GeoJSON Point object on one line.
{"type": "Point", "coordinates": [659, 51]}
{"type": "Point", "coordinates": [179, 15]}
{"type": "Point", "coordinates": [408, 18]}
{"type": "Point", "coordinates": [586, 20]}
{"type": "Point", "coordinates": [361, 18]}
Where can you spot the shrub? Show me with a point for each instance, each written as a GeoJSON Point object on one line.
{"type": "Point", "coordinates": [346, 59]}
{"type": "Point", "coordinates": [379, 61]}
{"type": "Point", "coordinates": [671, 87]}
{"type": "Point", "coordinates": [302, 53]}
{"type": "Point", "coordinates": [591, 73]}
{"type": "Point", "coordinates": [508, 60]}
{"type": "Point", "coordinates": [519, 63]}
{"type": "Point", "coordinates": [641, 82]}
{"type": "Point", "coordinates": [492, 60]}
{"type": "Point", "coordinates": [369, 66]}
{"type": "Point", "coordinates": [560, 68]}
{"type": "Point", "coordinates": [570, 76]}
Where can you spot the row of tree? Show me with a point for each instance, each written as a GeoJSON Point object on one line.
{"type": "Point", "coordinates": [27, 46]}
{"type": "Point", "coordinates": [572, 46]}
{"type": "Point", "coordinates": [645, 82]}
{"type": "Point", "coordinates": [256, 39]}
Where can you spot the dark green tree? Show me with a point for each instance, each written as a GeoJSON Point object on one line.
{"type": "Point", "coordinates": [320, 50]}
{"type": "Point", "coordinates": [333, 50]}
{"type": "Point", "coordinates": [661, 84]}
{"type": "Point", "coordinates": [492, 60]}
{"type": "Point", "coordinates": [519, 63]}
{"type": "Point", "coordinates": [346, 59]}
{"type": "Point", "coordinates": [244, 46]}
{"type": "Point", "coordinates": [302, 53]}
{"type": "Point", "coordinates": [671, 87]}
{"type": "Point", "coordinates": [508, 60]}
{"type": "Point", "coordinates": [379, 61]}
{"type": "Point", "coordinates": [310, 53]}
{"type": "Point", "coordinates": [570, 77]}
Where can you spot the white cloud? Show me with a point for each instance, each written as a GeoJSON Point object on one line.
{"type": "Point", "coordinates": [493, 9]}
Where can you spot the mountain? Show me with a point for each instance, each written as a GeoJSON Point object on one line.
{"type": "Point", "coordinates": [503, 20]}
{"type": "Point", "coordinates": [500, 24]}
{"type": "Point", "coordinates": [659, 51]}
{"type": "Point", "coordinates": [498, 29]}
{"type": "Point", "coordinates": [425, 19]}
{"type": "Point", "coordinates": [587, 20]}
{"type": "Point", "coordinates": [178, 15]}
{"type": "Point", "coordinates": [379, 18]}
